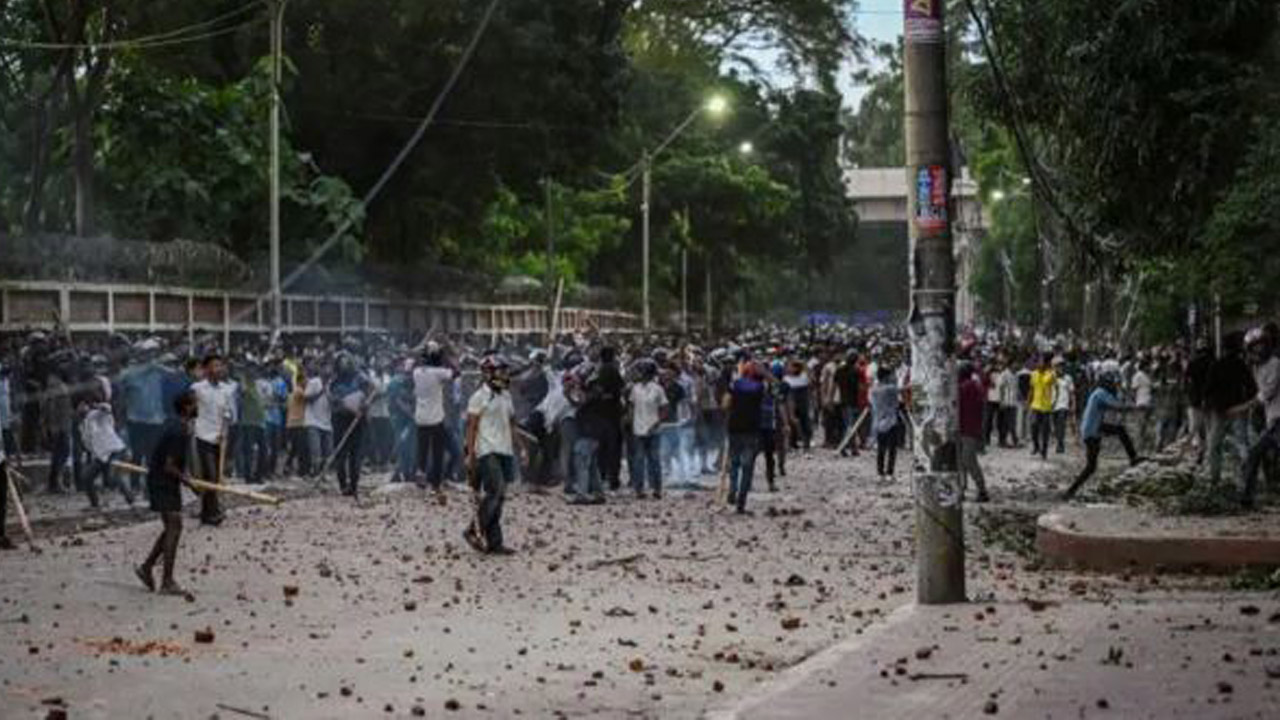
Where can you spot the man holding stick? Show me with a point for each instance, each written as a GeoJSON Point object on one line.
{"type": "Point", "coordinates": [165, 477]}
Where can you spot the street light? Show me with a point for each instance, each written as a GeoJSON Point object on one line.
{"type": "Point", "coordinates": [997, 195]}
{"type": "Point", "coordinates": [747, 147]}
{"type": "Point", "coordinates": [715, 106]}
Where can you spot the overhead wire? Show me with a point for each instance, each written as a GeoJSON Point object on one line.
{"type": "Point", "coordinates": [177, 36]}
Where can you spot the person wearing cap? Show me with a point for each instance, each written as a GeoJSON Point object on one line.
{"type": "Point", "coordinates": [1094, 427]}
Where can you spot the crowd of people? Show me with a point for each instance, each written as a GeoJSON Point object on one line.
{"type": "Point", "coordinates": [672, 412]}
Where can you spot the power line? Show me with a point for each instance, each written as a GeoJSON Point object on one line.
{"type": "Point", "coordinates": [169, 37]}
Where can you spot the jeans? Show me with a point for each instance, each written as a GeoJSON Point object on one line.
{"type": "Point", "coordinates": [1008, 422]}
{"type": "Point", "coordinates": [1224, 430]}
{"type": "Point", "coordinates": [142, 442]}
{"type": "Point", "coordinates": [1269, 442]}
{"type": "Point", "coordinates": [350, 426]}
{"type": "Point", "coordinates": [209, 462]}
{"type": "Point", "coordinates": [969, 466]}
{"type": "Point", "coordinates": [646, 463]}
{"type": "Point", "coordinates": [568, 465]}
{"type": "Point", "coordinates": [319, 447]}
{"type": "Point", "coordinates": [769, 447]}
{"type": "Point", "coordinates": [669, 453]}
{"type": "Point", "coordinates": [495, 473]}
{"type": "Point", "coordinates": [1093, 446]}
{"type": "Point", "coordinates": [406, 448]}
{"type": "Point", "coordinates": [586, 461]}
{"type": "Point", "coordinates": [743, 448]}
{"type": "Point", "coordinates": [59, 450]}
{"type": "Point", "coordinates": [299, 450]}
{"type": "Point", "coordinates": [109, 479]}
{"type": "Point", "coordinates": [990, 419]}
{"type": "Point", "coordinates": [251, 452]}
{"type": "Point", "coordinates": [380, 439]}
{"type": "Point", "coordinates": [1060, 429]}
{"type": "Point", "coordinates": [431, 444]}
{"type": "Point", "coordinates": [1041, 428]}
{"type": "Point", "coordinates": [274, 444]}
{"type": "Point", "coordinates": [886, 451]}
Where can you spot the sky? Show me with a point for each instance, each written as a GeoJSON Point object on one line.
{"type": "Point", "coordinates": [878, 21]}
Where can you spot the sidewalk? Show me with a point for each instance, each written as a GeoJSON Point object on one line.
{"type": "Point", "coordinates": [1191, 655]}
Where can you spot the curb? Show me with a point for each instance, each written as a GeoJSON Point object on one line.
{"type": "Point", "coordinates": [1062, 547]}
{"type": "Point", "coordinates": [795, 675]}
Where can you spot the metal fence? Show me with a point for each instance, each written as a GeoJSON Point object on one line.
{"type": "Point", "coordinates": [107, 308]}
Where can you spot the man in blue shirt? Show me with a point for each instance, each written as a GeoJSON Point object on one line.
{"type": "Point", "coordinates": [1094, 427]}
{"type": "Point", "coordinates": [145, 410]}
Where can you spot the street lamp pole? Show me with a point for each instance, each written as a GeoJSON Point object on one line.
{"type": "Point", "coordinates": [715, 106]}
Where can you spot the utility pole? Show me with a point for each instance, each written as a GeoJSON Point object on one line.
{"type": "Point", "coordinates": [938, 493]}
{"type": "Point", "coordinates": [277, 49]}
{"type": "Point", "coordinates": [644, 230]}
{"type": "Point", "coordinates": [551, 248]}
{"type": "Point", "coordinates": [710, 307]}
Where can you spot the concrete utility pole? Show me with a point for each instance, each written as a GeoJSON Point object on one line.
{"type": "Point", "coordinates": [277, 49]}
{"type": "Point", "coordinates": [938, 493]}
{"type": "Point", "coordinates": [644, 231]}
{"type": "Point", "coordinates": [550, 281]}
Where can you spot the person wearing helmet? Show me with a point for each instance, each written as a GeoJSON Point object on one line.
{"type": "Point", "coordinates": [1094, 427]}
{"type": "Point", "coordinates": [491, 442]}
{"type": "Point", "coordinates": [1261, 348]}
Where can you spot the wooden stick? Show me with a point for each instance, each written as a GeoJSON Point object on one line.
{"type": "Point", "coordinates": [205, 485]}
{"type": "Point", "coordinates": [222, 449]}
{"type": "Point", "coordinates": [22, 512]}
{"type": "Point", "coordinates": [853, 430]}
{"type": "Point", "coordinates": [231, 490]}
{"type": "Point", "coordinates": [341, 443]}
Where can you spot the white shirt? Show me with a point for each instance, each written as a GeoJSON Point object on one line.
{"type": "Point", "coordinates": [1141, 386]}
{"type": "Point", "coordinates": [1066, 390]}
{"type": "Point", "coordinates": [647, 401]}
{"type": "Point", "coordinates": [428, 391]}
{"type": "Point", "coordinates": [379, 407]}
{"type": "Point", "coordinates": [216, 406]}
{"type": "Point", "coordinates": [493, 436]}
{"type": "Point", "coordinates": [555, 406]}
{"type": "Point", "coordinates": [318, 413]}
{"type": "Point", "coordinates": [99, 432]}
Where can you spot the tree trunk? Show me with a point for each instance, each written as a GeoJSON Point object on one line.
{"type": "Point", "coordinates": [82, 160]}
{"type": "Point", "coordinates": [33, 213]}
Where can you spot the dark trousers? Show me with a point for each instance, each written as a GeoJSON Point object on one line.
{"type": "Point", "coordinates": [210, 470]}
{"type": "Point", "coordinates": [4, 495]}
{"type": "Point", "coordinates": [1268, 443]}
{"type": "Point", "coordinates": [299, 451]}
{"type": "Point", "coordinates": [1008, 425]}
{"type": "Point", "coordinates": [347, 457]}
{"type": "Point", "coordinates": [381, 439]}
{"type": "Point", "coordinates": [495, 472]}
{"type": "Point", "coordinates": [886, 451]}
{"type": "Point", "coordinates": [142, 441]}
{"type": "Point", "coordinates": [59, 449]}
{"type": "Point", "coordinates": [803, 438]}
{"type": "Point", "coordinates": [990, 419]}
{"type": "Point", "coordinates": [769, 447]}
{"type": "Point", "coordinates": [251, 452]}
{"type": "Point", "coordinates": [1060, 418]}
{"type": "Point", "coordinates": [102, 468]}
{"type": "Point", "coordinates": [431, 442]}
{"type": "Point", "coordinates": [1093, 446]}
{"type": "Point", "coordinates": [1041, 431]}
{"type": "Point", "coordinates": [275, 442]}
{"type": "Point", "coordinates": [610, 455]}
{"type": "Point", "coordinates": [646, 462]}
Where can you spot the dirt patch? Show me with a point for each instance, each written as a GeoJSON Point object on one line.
{"type": "Point", "coordinates": [150, 648]}
{"type": "Point", "coordinates": [1010, 529]}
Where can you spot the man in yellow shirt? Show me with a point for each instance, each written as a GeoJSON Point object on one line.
{"type": "Point", "coordinates": [1043, 389]}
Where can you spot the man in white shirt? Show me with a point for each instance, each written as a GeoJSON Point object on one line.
{"type": "Point", "coordinates": [98, 430]}
{"type": "Point", "coordinates": [431, 379]}
{"type": "Point", "coordinates": [647, 400]}
{"type": "Point", "coordinates": [1063, 400]}
{"type": "Point", "coordinates": [490, 455]}
{"type": "Point", "coordinates": [215, 405]}
{"type": "Point", "coordinates": [317, 417]}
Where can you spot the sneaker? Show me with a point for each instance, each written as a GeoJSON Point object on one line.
{"type": "Point", "coordinates": [172, 588]}
{"type": "Point", "coordinates": [503, 551]}
{"type": "Point", "coordinates": [982, 497]}
{"type": "Point", "coordinates": [640, 495]}
{"type": "Point", "coordinates": [473, 539]}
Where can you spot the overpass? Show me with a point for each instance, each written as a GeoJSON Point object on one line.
{"type": "Point", "coordinates": [880, 196]}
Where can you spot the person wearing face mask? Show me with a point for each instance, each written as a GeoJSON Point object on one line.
{"type": "Point", "coordinates": [490, 455]}
{"type": "Point", "coordinates": [166, 475]}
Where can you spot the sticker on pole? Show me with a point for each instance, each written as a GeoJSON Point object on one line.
{"type": "Point", "coordinates": [923, 21]}
{"type": "Point", "coordinates": [931, 198]}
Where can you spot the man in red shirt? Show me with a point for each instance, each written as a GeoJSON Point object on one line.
{"type": "Point", "coordinates": [973, 397]}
